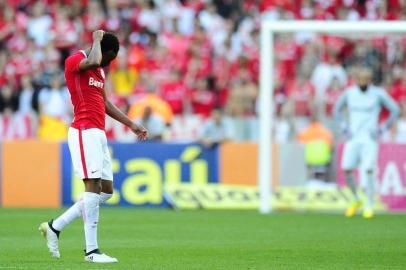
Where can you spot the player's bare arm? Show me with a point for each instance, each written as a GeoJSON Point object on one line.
{"type": "Point", "coordinates": [94, 58]}
{"type": "Point", "coordinates": [115, 113]}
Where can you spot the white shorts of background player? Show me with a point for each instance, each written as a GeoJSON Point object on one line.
{"type": "Point", "coordinates": [361, 153]}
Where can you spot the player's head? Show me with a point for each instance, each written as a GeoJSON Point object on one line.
{"type": "Point", "coordinates": [109, 47]}
{"type": "Point", "coordinates": [364, 78]}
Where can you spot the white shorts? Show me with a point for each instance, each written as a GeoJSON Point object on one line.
{"type": "Point", "coordinates": [90, 153]}
{"type": "Point", "coordinates": [363, 153]}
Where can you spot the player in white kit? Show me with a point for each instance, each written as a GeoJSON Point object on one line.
{"type": "Point", "coordinates": [363, 102]}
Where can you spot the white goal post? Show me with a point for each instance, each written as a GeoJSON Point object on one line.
{"type": "Point", "coordinates": [268, 29]}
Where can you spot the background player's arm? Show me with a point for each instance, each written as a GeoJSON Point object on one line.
{"type": "Point", "coordinates": [115, 113]}
{"type": "Point", "coordinates": [95, 56]}
{"type": "Point", "coordinates": [339, 106]}
{"type": "Point", "coordinates": [393, 108]}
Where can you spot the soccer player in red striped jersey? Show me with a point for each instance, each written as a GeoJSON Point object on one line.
{"type": "Point", "coordinates": [87, 141]}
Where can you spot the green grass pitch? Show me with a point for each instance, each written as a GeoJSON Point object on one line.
{"type": "Point", "coordinates": [164, 239]}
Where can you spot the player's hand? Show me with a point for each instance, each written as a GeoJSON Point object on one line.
{"type": "Point", "coordinates": [376, 134]}
{"type": "Point", "coordinates": [98, 35]}
{"type": "Point", "coordinates": [140, 131]}
{"type": "Point", "coordinates": [345, 131]}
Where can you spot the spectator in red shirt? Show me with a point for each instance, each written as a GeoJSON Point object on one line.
{"type": "Point", "coordinates": [159, 64]}
{"type": "Point", "coordinates": [136, 57]}
{"type": "Point", "coordinates": [177, 44]}
{"type": "Point", "coordinates": [287, 52]}
{"type": "Point", "coordinates": [203, 99]}
{"type": "Point", "coordinates": [331, 96]}
{"type": "Point", "coordinates": [64, 34]}
{"type": "Point", "coordinates": [3, 75]}
{"type": "Point", "coordinates": [196, 70]}
{"type": "Point", "coordinates": [398, 92]}
{"type": "Point", "coordinates": [291, 5]}
{"type": "Point", "coordinates": [140, 89]}
{"type": "Point", "coordinates": [301, 92]}
{"type": "Point", "coordinates": [174, 91]}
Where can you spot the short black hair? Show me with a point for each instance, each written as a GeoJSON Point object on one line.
{"type": "Point", "coordinates": [109, 43]}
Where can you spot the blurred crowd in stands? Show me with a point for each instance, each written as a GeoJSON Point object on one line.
{"type": "Point", "coordinates": [188, 70]}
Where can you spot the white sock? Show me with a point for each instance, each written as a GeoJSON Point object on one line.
{"type": "Point", "coordinates": [370, 191]}
{"type": "Point", "coordinates": [75, 211]}
{"type": "Point", "coordinates": [91, 218]}
{"type": "Point", "coordinates": [104, 197]}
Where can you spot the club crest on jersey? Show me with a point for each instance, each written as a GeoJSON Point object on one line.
{"type": "Point", "coordinates": [95, 83]}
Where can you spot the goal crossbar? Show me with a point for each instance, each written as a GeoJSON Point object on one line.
{"type": "Point", "coordinates": [268, 28]}
{"type": "Point", "coordinates": [335, 26]}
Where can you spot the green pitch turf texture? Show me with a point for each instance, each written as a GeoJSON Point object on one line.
{"type": "Point", "coordinates": [164, 239]}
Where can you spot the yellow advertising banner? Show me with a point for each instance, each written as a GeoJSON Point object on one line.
{"type": "Point", "coordinates": [218, 196]}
